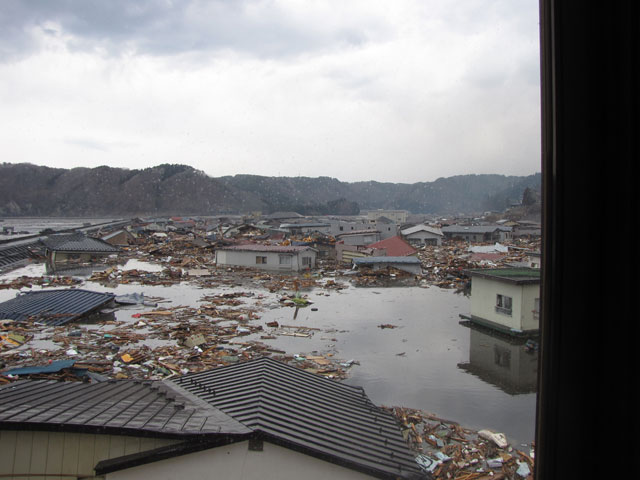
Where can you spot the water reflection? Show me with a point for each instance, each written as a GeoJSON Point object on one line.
{"type": "Point", "coordinates": [501, 361]}
{"type": "Point", "coordinates": [84, 270]}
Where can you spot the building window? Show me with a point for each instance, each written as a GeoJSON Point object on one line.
{"type": "Point", "coordinates": [261, 260]}
{"type": "Point", "coordinates": [341, 229]}
{"type": "Point", "coordinates": [306, 261]}
{"type": "Point", "coordinates": [285, 259]}
{"type": "Point", "coordinates": [503, 304]}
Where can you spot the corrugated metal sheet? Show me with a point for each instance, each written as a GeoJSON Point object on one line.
{"type": "Point", "coordinates": [14, 254]}
{"type": "Point", "coordinates": [54, 307]}
{"type": "Point", "coordinates": [125, 406]}
{"type": "Point", "coordinates": [315, 414]}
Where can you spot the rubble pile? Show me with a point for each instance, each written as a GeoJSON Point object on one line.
{"type": "Point", "coordinates": [43, 281]}
{"type": "Point", "coordinates": [443, 266]}
{"type": "Point", "coordinates": [448, 451]}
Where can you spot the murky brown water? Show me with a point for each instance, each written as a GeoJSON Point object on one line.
{"type": "Point", "coordinates": [428, 361]}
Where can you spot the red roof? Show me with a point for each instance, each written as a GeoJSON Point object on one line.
{"type": "Point", "coordinates": [395, 247]}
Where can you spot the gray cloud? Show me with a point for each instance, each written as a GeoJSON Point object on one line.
{"type": "Point", "coordinates": [159, 27]}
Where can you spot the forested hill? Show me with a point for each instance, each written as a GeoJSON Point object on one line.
{"type": "Point", "coordinates": [30, 190]}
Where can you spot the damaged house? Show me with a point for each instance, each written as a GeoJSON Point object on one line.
{"type": "Point", "coordinates": [423, 235]}
{"type": "Point", "coordinates": [407, 264]}
{"type": "Point", "coordinates": [75, 248]}
{"type": "Point", "coordinates": [268, 257]}
{"type": "Point", "coordinates": [506, 300]}
{"type": "Point", "coordinates": [477, 233]}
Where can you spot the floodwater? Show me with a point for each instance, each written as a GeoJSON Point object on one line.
{"type": "Point", "coordinates": [428, 360]}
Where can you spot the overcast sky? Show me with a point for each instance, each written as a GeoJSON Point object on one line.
{"type": "Point", "coordinates": [393, 90]}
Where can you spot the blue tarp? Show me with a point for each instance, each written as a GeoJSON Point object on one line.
{"type": "Point", "coordinates": [53, 367]}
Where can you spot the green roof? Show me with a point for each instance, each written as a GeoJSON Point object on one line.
{"type": "Point", "coordinates": [515, 275]}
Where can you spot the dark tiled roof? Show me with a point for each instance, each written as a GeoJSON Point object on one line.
{"type": "Point", "coordinates": [53, 307]}
{"type": "Point", "coordinates": [307, 412]}
{"type": "Point", "coordinates": [77, 242]}
{"type": "Point", "coordinates": [124, 406]}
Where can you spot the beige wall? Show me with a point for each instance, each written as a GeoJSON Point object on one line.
{"type": "Point", "coordinates": [237, 462]}
{"type": "Point", "coordinates": [64, 455]}
{"type": "Point", "coordinates": [483, 302]}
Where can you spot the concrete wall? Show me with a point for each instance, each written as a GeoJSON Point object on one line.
{"type": "Point", "coordinates": [387, 230]}
{"type": "Point", "coordinates": [248, 259]}
{"type": "Point", "coordinates": [58, 455]}
{"type": "Point", "coordinates": [529, 319]}
{"type": "Point", "coordinates": [483, 303]}
{"type": "Point", "coordinates": [237, 462]}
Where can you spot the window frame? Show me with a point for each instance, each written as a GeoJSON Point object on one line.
{"type": "Point", "coordinates": [590, 104]}
{"type": "Point", "coordinates": [504, 304]}
{"type": "Point", "coordinates": [282, 257]}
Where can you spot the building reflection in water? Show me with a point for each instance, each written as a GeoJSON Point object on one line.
{"type": "Point", "coordinates": [84, 270]}
{"type": "Point", "coordinates": [511, 364]}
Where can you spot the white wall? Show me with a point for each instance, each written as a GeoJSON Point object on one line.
{"type": "Point", "coordinates": [245, 258]}
{"type": "Point", "coordinates": [237, 462]}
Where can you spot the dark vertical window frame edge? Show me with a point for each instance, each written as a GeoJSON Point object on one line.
{"type": "Point", "coordinates": [587, 404]}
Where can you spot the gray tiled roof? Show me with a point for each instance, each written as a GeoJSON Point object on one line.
{"type": "Point", "coordinates": [125, 406]}
{"type": "Point", "coordinates": [308, 412]}
{"type": "Point", "coordinates": [53, 307]}
{"type": "Point", "coordinates": [77, 242]}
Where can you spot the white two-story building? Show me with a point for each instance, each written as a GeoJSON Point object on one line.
{"type": "Point", "coordinates": [506, 299]}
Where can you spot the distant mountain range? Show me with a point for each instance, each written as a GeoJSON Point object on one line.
{"type": "Point", "coordinates": [30, 190]}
